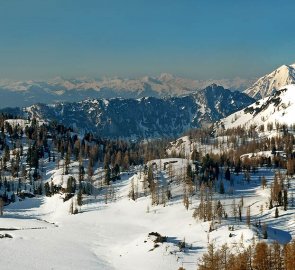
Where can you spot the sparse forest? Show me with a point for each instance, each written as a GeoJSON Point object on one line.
{"type": "Point", "coordinates": [208, 172]}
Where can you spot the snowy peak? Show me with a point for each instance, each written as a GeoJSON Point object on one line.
{"type": "Point", "coordinates": [279, 108]}
{"type": "Point", "coordinates": [166, 77]}
{"type": "Point", "coordinates": [266, 85]}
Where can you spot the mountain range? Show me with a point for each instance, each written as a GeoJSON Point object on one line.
{"type": "Point", "coordinates": [148, 117]}
{"type": "Point", "coordinates": [149, 107]}
{"type": "Point", "coordinates": [26, 93]}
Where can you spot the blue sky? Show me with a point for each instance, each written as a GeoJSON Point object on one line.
{"type": "Point", "coordinates": [41, 39]}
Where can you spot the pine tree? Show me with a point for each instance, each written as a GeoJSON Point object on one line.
{"type": "Point", "coordinates": [71, 185]}
{"type": "Point", "coordinates": [270, 204]}
{"type": "Point", "coordinates": [248, 217]}
{"type": "Point", "coordinates": [71, 210]}
{"type": "Point", "coordinates": [132, 192]}
{"type": "Point", "coordinates": [276, 257]}
{"type": "Point", "coordinates": [263, 182]}
{"type": "Point", "coordinates": [227, 174]}
{"type": "Point", "coordinates": [221, 188]}
{"type": "Point", "coordinates": [242, 201]}
{"type": "Point", "coordinates": [107, 178]}
{"type": "Point", "coordinates": [285, 203]}
{"type": "Point", "coordinates": [1, 206]}
{"type": "Point", "coordinates": [234, 209]}
{"type": "Point", "coordinates": [185, 199]}
{"type": "Point", "coordinates": [264, 231]}
{"type": "Point", "coordinates": [210, 260]}
{"type": "Point", "coordinates": [47, 189]}
{"type": "Point", "coordinates": [79, 198]}
{"type": "Point", "coordinates": [240, 212]}
{"type": "Point", "coordinates": [260, 260]}
{"type": "Point", "coordinates": [277, 212]}
{"type": "Point", "coordinates": [289, 258]}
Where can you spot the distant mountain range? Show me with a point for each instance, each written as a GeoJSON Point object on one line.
{"type": "Point", "coordinates": [149, 107]}
{"type": "Point", "coordinates": [271, 82]}
{"type": "Point", "coordinates": [26, 93]}
{"type": "Point", "coordinates": [144, 117]}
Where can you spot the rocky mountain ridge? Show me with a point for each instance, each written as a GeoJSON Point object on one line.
{"type": "Point", "coordinates": [145, 117]}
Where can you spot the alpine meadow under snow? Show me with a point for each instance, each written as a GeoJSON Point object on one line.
{"type": "Point", "coordinates": [113, 233]}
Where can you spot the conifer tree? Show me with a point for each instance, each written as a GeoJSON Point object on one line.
{"type": "Point", "coordinates": [276, 212]}
{"type": "Point", "coordinates": [221, 188]}
{"type": "Point", "coordinates": [285, 203]}
{"type": "Point", "coordinates": [260, 260]}
{"type": "Point", "coordinates": [71, 210]}
{"type": "Point", "coordinates": [234, 209]}
{"type": "Point", "coordinates": [79, 198]}
{"type": "Point", "coordinates": [248, 217]}
{"type": "Point", "coordinates": [264, 231]}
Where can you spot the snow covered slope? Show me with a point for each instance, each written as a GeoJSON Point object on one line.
{"type": "Point", "coordinates": [277, 108]}
{"type": "Point", "coordinates": [115, 235]}
{"type": "Point", "coordinates": [267, 84]}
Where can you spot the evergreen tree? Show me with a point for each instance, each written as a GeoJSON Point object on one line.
{"type": "Point", "coordinates": [79, 198]}
{"type": "Point", "coordinates": [264, 231]}
{"type": "Point", "coordinates": [47, 189]}
{"type": "Point", "coordinates": [221, 188]}
{"type": "Point", "coordinates": [276, 212]}
{"type": "Point", "coordinates": [285, 199]}
{"type": "Point", "coordinates": [248, 216]}
{"type": "Point", "coordinates": [227, 174]}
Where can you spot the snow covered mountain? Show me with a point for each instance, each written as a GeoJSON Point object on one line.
{"type": "Point", "coordinates": [277, 108]}
{"type": "Point", "coordinates": [267, 84]}
{"type": "Point", "coordinates": [144, 117]}
{"type": "Point", "coordinates": [26, 93]}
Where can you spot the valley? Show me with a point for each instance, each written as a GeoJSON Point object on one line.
{"type": "Point", "coordinates": [147, 135]}
{"type": "Point", "coordinates": [80, 202]}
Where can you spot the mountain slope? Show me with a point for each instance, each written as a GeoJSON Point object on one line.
{"type": "Point", "coordinates": [145, 117]}
{"type": "Point", "coordinates": [269, 83]}
{"type": "Point", "coordinates": [277, 108]}
{"type": "Point", "coordinates": [26, 93]}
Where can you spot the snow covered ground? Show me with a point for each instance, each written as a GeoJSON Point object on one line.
{"type": "Point", "coordinates": [278, 108]}
{"type": "Point", "coordinates": [115, 235]}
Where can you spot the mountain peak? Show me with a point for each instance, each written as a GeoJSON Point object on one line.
{"type": "Point", "coordinates": [57, 79]}
{"type": "Point", "coordinates": [214, 85]}
{"type": "Point", "coordinates": [266, 85]}
{"type": "Point", "coordinates": [166, 77]}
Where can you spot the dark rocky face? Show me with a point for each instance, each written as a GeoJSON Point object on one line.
{"type": "Point", "coordinates": [145, 117]}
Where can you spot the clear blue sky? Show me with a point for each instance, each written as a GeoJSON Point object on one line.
{"type": "Point", "coordinates": [199, 39]}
